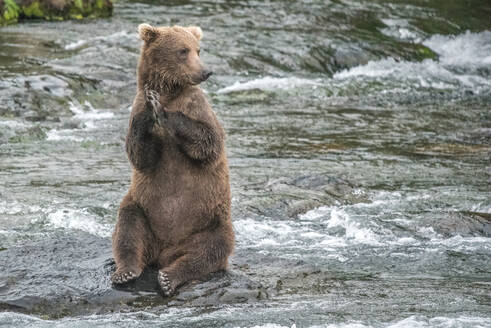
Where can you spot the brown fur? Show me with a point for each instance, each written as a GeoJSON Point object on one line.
{"type": "Point", "coordinates": [176, 214]}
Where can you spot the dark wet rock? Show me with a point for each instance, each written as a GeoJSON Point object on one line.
{"type": "Point", "coordinates": [338, 54]}
{"type": "Point", "coordinates": [337, 57]}
{"type": "Point", "coordinates": [11, 11]}
{"type": "Point", "coordinates": [281, 276]}
{"type": "Point", "coordinates": [50, 273]}
{"type": "Point", "coordinates": [320, 59]}
{"type": "Point", "coordinates": [22, 134]}
{"type": "Point", "coordinates": [451, 149]}
{"type": "Point", "coordinates": [31, 134]}
{"type": "Point", "coordinates": [348, 56]}
{"type": "Point", "coordinates": [465, 224]}
{"type": "Point", "coordinates": [455, 17]}
{"type": "Point", "coordinates": [220, 288]}
{"type": "Point", "coordinates": [70, 275]}
{"type": "Point", "coordinates": [39, 98]}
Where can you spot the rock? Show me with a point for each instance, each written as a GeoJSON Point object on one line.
{"type": "Point", "coordinates": [229, 287]}
{"type": "Point", "coordinates": [465, 224]}
{"type": "Point", "coordinates": [67, 275]}
{"type": "Point", "coordinates": [289, 197]}
{"type": "Point", "coordinates": [33, 133]}
{"type": "Point", "coordinates": [11, 11]}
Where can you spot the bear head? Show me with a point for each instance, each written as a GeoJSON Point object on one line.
{"type": "Point", "coordinates": [170, 57]}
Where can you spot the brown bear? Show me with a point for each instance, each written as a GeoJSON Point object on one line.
{"type": "Point", "coordinates": [176, 214]}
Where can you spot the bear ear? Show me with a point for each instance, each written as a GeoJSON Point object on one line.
{"type": "Point", "coordinates": [196, 31]}
{"type": "Point", "coordinates": [147, 32]}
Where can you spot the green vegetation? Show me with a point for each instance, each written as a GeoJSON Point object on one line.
{"type": "Point", "coordinates": [11, 11]}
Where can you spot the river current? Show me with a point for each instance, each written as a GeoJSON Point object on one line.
{"type": "Point", "coordinates": [359, 144]}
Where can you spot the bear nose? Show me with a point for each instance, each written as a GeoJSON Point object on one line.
{"type": "Point", "coordinates": [206, 74]}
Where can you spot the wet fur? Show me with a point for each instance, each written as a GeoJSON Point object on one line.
{"type": "Point", "coordinates": [176, 214]}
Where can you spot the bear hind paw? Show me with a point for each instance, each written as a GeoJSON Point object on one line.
{"type": "Point", "coordinates": [165, 284]}
{"type": "Point", "coordinates": [120, 278]}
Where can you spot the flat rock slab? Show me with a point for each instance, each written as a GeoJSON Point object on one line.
{"type": "Point", "coordinates": [70, 275]}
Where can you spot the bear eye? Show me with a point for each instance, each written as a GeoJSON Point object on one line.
{"type": "Point", "coordinates": [183, 51]}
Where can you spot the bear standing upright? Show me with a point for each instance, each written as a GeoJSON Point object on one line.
{"type": "Point", "coordinates": [176, 214]}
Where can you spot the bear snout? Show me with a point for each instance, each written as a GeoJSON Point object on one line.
{"type": "Point", "coordinates": [205, 75]}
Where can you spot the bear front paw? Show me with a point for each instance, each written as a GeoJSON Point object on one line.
{"type": "Point", "coordinates": [153, 97]}
{"type": "Point", "coordinates": [158, 111]}
{"type": "Point", "coordinates": [120, 278]}
{"type": "Point", "coordinates": [165, 284]}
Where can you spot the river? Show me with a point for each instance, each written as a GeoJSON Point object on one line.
{"type": "Point", "coordinates": [359, 144]}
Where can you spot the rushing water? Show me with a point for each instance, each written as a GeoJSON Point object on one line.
{"type": "Point", "coordinates": [359, 142]}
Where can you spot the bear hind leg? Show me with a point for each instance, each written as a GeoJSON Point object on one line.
{"type": "Point", "coordinates": [132, 242]}
{"type": "Point", "coordinates": [202, 254]}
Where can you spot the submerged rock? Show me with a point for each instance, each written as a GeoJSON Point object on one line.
{"type": "Point", "coordinates": [465, 224]}
{"type": "Point", "coordinates": [289, 197]}
{"type": "Point", "coordinates": [11, 11]}
{"type": "Point", "coordinates": [70, 275]}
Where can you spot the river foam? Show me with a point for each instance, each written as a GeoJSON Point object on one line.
{"type": "Point", "coordinates": [401, 29]}
{"type": "Point", "coordinates": [71, 219]}
{"type": "Point", "coordinates": [463, 64]}
{"type": "Point", "coordinates": [337, 229]}
{"type": "Point", "coordinates": [142, 318]}
{"type": "Point", "coordinates": [121, 36]}
{"type": "Point", "coordinates": [470, 50]}
{"type": "Point", "coordinates": [87, 115]}
{"type": "Point", "coordinates": [269, 83]}
{"type": "Point", "coordinates": [460, 58]}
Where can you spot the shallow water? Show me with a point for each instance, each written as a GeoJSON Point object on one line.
{"type": "Point", "coordinates": [359, 143]}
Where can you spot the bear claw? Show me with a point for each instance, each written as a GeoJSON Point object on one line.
{"type": "Point", "coordinates": [153, 98]}
{"type": "Point", "coordinates": [124, 277]}
{"type": "Point", "coordinates": [158, 112]}
{"type": "Point", "coordinates": [164, 283]}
